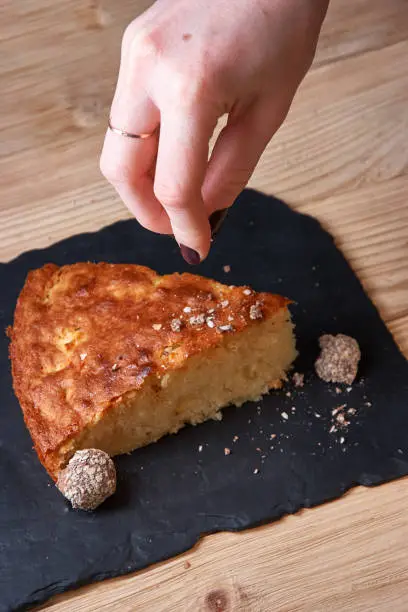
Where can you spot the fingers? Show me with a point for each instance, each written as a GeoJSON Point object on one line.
{"type": "Point", "coordinates": [236, 154]}
{"type": "Point", "coordinates": [185, 132]}
{"type": "Point", "coordinates": [128, 163]}
{"type": "Point", "coordinates": [159, 178]}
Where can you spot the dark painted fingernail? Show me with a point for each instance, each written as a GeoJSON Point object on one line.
{"type": "Point", "coordinates": [216, 220]}
{"type": "Point", "coordinates": [190, 255]}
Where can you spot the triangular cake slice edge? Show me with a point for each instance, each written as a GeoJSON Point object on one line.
{"type": "Point", "coordinates": [114, 356]}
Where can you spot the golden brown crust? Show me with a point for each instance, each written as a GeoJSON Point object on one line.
{"type": "Point", "coordinates": [87, 334]}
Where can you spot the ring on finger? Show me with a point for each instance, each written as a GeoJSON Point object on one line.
{"type": "Point", "coordinates": [126, 134]}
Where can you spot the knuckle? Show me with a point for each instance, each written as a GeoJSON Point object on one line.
{"type": "Point", "coordinates": [186, 86]}
{"type": "Point", "coordinates": [171, 197]}
{"type": "Point", "coordinates": [192, 90]}
{"type": "Point", "coordinates": [117, 173]}
{"type": "Point", "coordinates": [139, 42]}
{"type": "Point", "coordinates": [128, 34]}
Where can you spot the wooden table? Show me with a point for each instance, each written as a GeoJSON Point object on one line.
{"type": "Point", "coordinates": [342, 156]}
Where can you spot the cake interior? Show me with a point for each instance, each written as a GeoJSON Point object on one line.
{"type": "Point", "coordinates": [245, 366]}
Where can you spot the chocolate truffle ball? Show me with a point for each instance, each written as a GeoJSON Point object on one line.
{"type": "Point", "coordinates": [88, 479]}
{"type": "Point", "coordinates": [339, 358]}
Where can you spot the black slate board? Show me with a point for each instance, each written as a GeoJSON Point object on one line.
{"type": "Point", "coordinates": [170, 493]}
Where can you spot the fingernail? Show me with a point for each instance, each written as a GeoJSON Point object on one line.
{"type": "Point", "coordinates": [190, 255]}
{"type": "Point", "coordinates": [216, 220]}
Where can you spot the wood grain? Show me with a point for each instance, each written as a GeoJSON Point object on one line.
{"type": "Point", "coordinates": [371, 226]}
{"type": "Point", "coordinates": [341, 156]}
{"type": "Point", "coordinates": [345, 556]}
{"type": "Point", "coordinates": [399, 329]}
{"type": "Point", "coordinates": [342, 132]}
{"type": "Point", "coordinates": [52, 128]}
{"type": "Point", "coordinates": [363, 25]}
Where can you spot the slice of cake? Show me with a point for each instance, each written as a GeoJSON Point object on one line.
{"type": "Point", "coordinates": [115, 356]}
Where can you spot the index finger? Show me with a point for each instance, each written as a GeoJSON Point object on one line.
{"type": "Point", "coordinates": [181, 165]}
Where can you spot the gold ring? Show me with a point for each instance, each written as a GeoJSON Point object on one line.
{"type": "Point", "coordinates": [116, 130]}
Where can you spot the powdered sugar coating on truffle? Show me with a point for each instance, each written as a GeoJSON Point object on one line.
{"type": "Point", "coordinates": [88, 479]}
{"type": "Point", "coordinates": [339, 358]}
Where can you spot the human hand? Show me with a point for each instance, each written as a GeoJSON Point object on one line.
{"type": "Point", "coordinates": [184, 64]}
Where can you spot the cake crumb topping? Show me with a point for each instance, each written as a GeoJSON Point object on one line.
{"type": "Point", "coordinates": [298, 379]}
{"type": "Point", "coordinates": [197, 319]}
{"type": "Point", "coordinates": [176, 325]}
{"type": "Point", "coordinates": [88, 479]}
{"type": "Point", "coordinates": [255, 312]}
{"type": "Point", "coordinates": [225, 328]}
